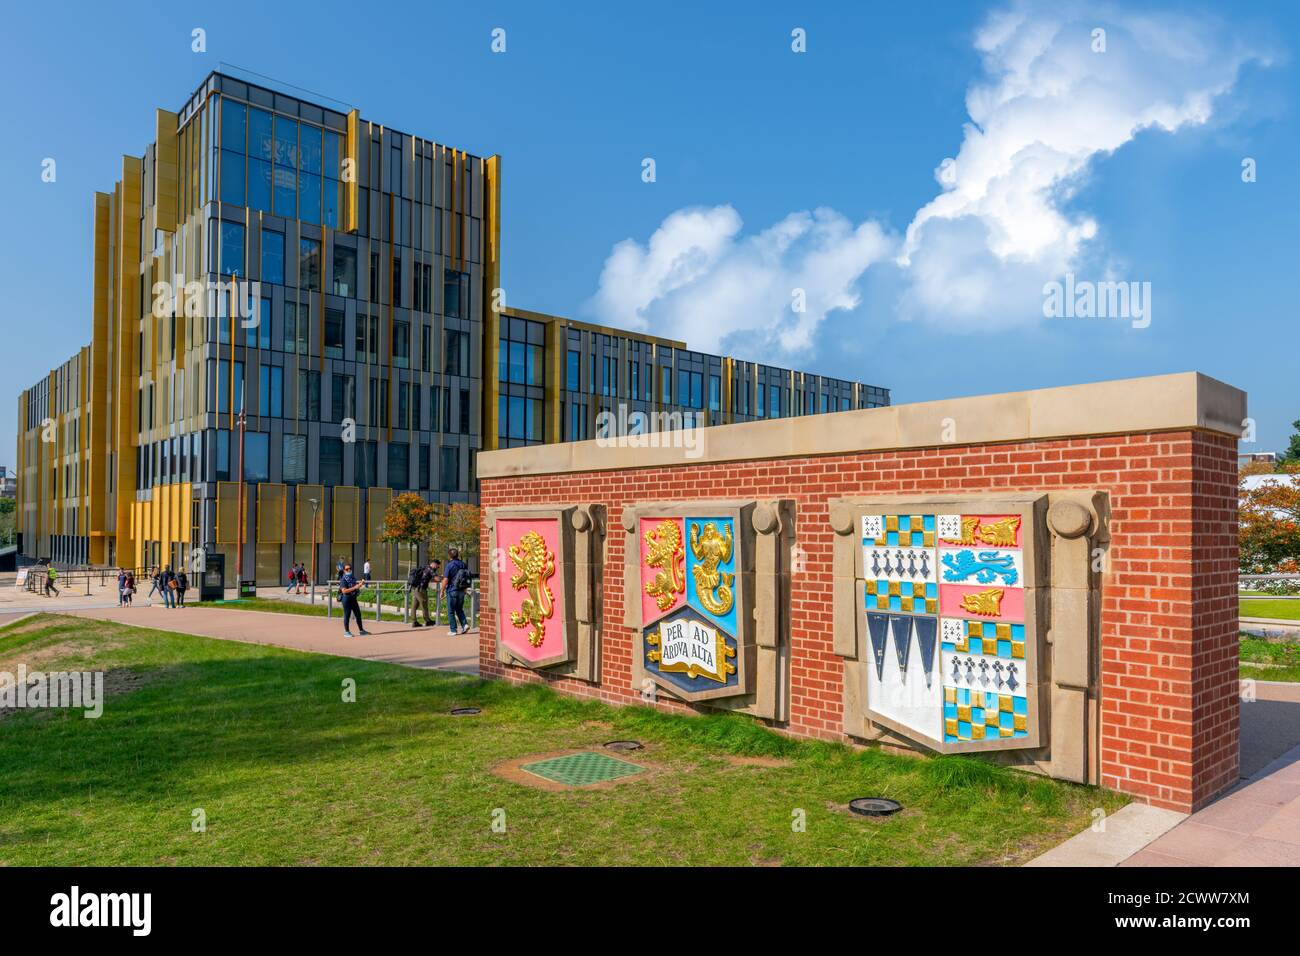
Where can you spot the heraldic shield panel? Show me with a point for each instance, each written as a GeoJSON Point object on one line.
{"type": "Point", "coordinates": [947, 621]}
{"type": "Point", "coordinates": [529, 581]}
{"type": "Point", "coordinates": [690, 590]}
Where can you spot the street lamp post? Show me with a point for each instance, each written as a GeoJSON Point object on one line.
{"type": "Point", "coordinates": [315, 507]}
{"type": "Point", "coordinates": [239, 520]}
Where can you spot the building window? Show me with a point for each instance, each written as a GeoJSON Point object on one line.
{"type": "Point", "coordinates": [286, 168]}
{"type": "Point", "coordinates": [273, 257]}
{"type": "Point", "coordinates": [456, 352]}
{"type": "Point", "coordinates": [261, 153]}
{"type": "Point", "coordinates": [401, 344]}
{"type": "Point", "coordinates": [222, 455]}
{"type": "Point", "coordinates": [715, 393]}
{"type": "Point", "coordinates": [257, 327]}
{"type": "Point", "coordinates": [345, 271]}
{"type": "Point", "coordinates": [331, 462]}
{"type": "Point", "coordinates": [308, 395]}
{"type": "Point", "coordinates": [455, 294]}
{"type": "Point", "coordinates": [232, 177]}
{"type": "Point", "coordinates": [425, 455]}
{"type": "Point", "coordinates": [309, 264]}
{"type": "Point", "coordinates": [232, 248]}
{"type": "Point", "coordinates": [573, 379]}
{"type": "Point", "coordinates": [464, 411]}
{"type": "Point", "coordinates": [344, 396]}
{"type": "Point", "coordinates": [399, 465]}
{"type": "Point", "coordinates": [403, 404]}
{"type": "Point", "coordinates": [233, 120]}
{"type": "Point", "coordinates": [270, 391]}
{"type": "Point", "coordinates": [257, 456]}
{"type": "Point", "coordinates": [367, 458]}
{"type": "Point", "coordinates": [449, 468]}
{"type": "Point", "coordinates": [333, 334]}
{"type": "Point", "coordinates": [295, 332]}
{"type": "Point", "coordinates": [293, 466]}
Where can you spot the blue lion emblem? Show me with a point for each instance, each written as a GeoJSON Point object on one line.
{"type": "Point", "coordinates": [987, 567]}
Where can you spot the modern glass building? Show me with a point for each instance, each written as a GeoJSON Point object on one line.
{"type": "Point", "coordinates": [332, 279]}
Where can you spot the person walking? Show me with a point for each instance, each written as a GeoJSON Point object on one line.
{"type": "Point", "coordinates": [129, 587]}
{"type": "Point", "coordinates": [458, 578]}
{"type": "Point", "coordinates": [348, 588]}
{"type": "Point", "coordinates": [153, 581]}
{"type": "Point", "coordinates": [417, 582]}
{"type": "Point", "coordinates": [182, 585]}
{"type": "Point", "coordinates": [293, 579]}
{"type": "Point", "coordinates": [167, 584]}
{"type": "Point", "coordinates": [121, 587]}
{"type": "Point", "coordinates": [51, 574]}
{"type": "Point", "coordinates": [365, 571]}
{"type": "Point", "coordinates": [302, 578]}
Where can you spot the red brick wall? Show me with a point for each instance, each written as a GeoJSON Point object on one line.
{"type": "Point", "coordinates": [1169, 636]}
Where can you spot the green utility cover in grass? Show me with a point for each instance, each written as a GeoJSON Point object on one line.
{"type": "Point", "coordinates": [577, 770]}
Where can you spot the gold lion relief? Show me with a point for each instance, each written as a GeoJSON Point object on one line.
{"type": "Point", "coordinates": [536, 564]}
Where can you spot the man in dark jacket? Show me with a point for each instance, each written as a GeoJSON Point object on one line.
{"type": "Point", "coordinates": [349, 587]}
{"type": "Point", "coordinates": [458, 579]}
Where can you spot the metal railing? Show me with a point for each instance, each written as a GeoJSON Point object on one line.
{"type": "Point", "coordinates": [396, 595]}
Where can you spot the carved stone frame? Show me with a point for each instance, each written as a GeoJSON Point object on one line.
{"type": "Point", "coordinates": [764, 536]}
{"type": "Point", "coordinates": [582, 558]}
{"type": "Point", "coordinates": [1059, 532]}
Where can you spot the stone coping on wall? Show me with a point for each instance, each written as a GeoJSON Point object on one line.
{"type": "Point", "coordinates": [1185, 400]}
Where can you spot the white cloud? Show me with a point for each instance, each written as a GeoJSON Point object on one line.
{"type": "Point", "coordinates": [698, 280]}
{"type": "Point", "coordinates": [979, 253]}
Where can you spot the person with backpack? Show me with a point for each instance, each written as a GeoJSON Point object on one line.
{"type": "Point", "coordinates": [128, 587]}
{"type": "Point", "coordinates": [458, 578]}
{"type": "Point", "coordinates": [293, 579]}
{"type": "Point", "coordinates": [182, 585]}
{"type": "Point", "coordinates": [417, 582]}
{"type": "Point", "coordinates": [302, 578]}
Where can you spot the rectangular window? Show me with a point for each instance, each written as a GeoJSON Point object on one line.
{"type": "Point", "coordinates": [666, 374]}
{"type": "Point", "coordinates": [294, 460]}
{"type": "Point", "coordinates": [232, 248]}
{"type": "Point", "coordinates": [464, 411]}
{"type": "Point", "coordinates": [455, 294]}
{"type": "Point", "coordinates": [273, 257]}
{"type": "Point", "coordinates": [333, 334]}
{"type": "Point", "coordinates": [222, 454]}
{"type": "Point", "coordinates": [308, 395]}
{"type": "Point", "coordinates": [331, 462]}
{"type": "Point", "coordinates": [309, 264]}
{"type": "Point", "coordinates": [456, 352]}
{"type": "Point", "coordinates": [715, 393]}
{"type": "Point", "coordinates": [399, 465]}
{"type": "Point", "coordinates": [426, 347]}
{"type": "Point", "coordinates": [573, 379]}
{"type": "Point", "coordinates": [257, 327]}
{"type": "Point", "coordinates": [403, 404]}
{"type": "Point", "coordinates": [367, 459]}
{"type": "Point", "coordinates": [449, 468]}
{"type": "Point", "coordinates": [270, 391]}
{"type": "Point", "coordinates": [257, 456]}
{"type": "Point", "coordinates": [424, 466]}
{"type": "Point", "coordinates": [396, 288]}
{"type": "Point", "coordinates": [344, 396]}
{"type": "Point", "coordinates": [232, 177]}
{"type": "Point", "coordinates": [401, 345]}
{"type": "Point", "coordinates": [345, 271]}
{"type": "Point", "coordinates": [374, 277]}
{"type": "Point", "coordinates": [233, 119]}
{"type": "Point", "coordinates": [295, 332]}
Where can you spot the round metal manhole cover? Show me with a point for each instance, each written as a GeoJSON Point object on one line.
{"type": "Point", "coordinates": [466, 711]}
{"type": "Point", "coordinates": [874, 806]}
{"type": "Point", "coordinates": [625, 745]}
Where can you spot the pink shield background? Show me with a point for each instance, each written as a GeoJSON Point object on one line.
{"type": "Point", "coordinates": [509, 531]}
{"type": "Point", "coordinates": [649, 606]}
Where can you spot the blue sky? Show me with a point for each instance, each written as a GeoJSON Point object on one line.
{"type": "Point", "coordinates": [774, 170]}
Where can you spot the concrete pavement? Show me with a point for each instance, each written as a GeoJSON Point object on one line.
{"type": "Point", "coordinates": [390, 641]}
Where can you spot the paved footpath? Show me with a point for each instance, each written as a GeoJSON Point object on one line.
{"type": "Point", "coordinates": [391, 641]}
{"type": "Point", "coordinates": [1258, 822]}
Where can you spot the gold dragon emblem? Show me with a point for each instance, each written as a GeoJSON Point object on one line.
{"type": "Point", "coordinates": [999, 534]}
{"type": "Point", "coordinates": [713, 586]}
{"type": "Point", "coordinates": [536, 565]}
{"type": "Point", "coordinates": [987, 603]}
{"type": "Point", "coordinates": [663, 550]}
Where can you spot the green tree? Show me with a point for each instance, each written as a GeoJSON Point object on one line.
{"type": "Point", "coordinates": [408, 522]}
{"type": "Point", "coordinates": [1292, 453]}
{"type": "Point", "coordinates": [454, 526]}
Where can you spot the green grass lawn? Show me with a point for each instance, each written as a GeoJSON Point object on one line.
{"type": "Point", "coordinates": [1270, 607]}
{"type": "Point", "coordinates": [1269, 660]}
{"type": "Point", "coordinates": [287, 773]}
